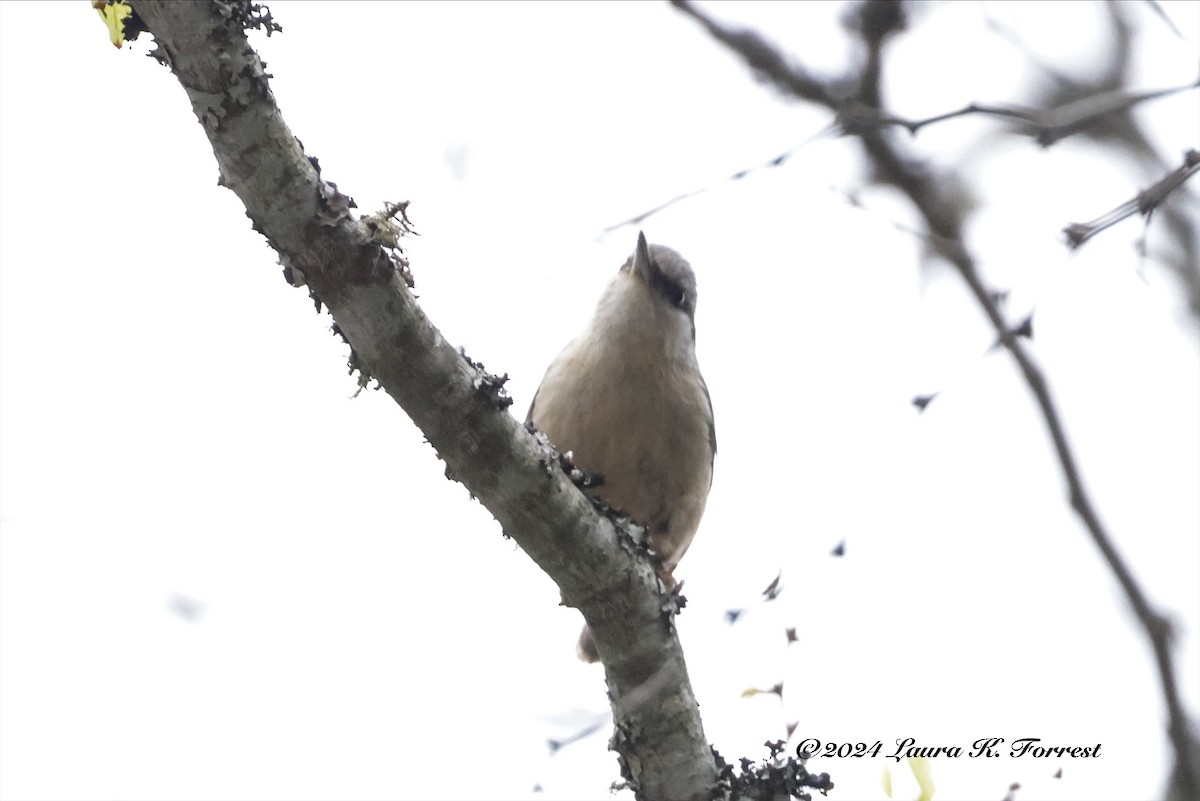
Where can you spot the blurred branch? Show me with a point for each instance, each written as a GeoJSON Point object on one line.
{"type": "Point", "coordinates": [1098, 110]}
{"type": "Point", "coordinates": [777, 161]}
{"type": "Point", "coordinates": [1119, 132]}
{"type": "Point", "coordinates": [1047, 126]}
{"type": "Point", "coordinates": [764, 59]}
{"type": "Point", "coordinates": [1145, 203]}
{"type": "Point", "coordinates": [936, 199]}
{"type": "Point", "coordinates": [1157, 8]}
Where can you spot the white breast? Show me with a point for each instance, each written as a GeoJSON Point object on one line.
{"type": "Point", "coordinates": [627, 399]}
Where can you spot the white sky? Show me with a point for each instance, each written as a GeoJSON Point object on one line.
{"type": "Point", "coordinates": [176, 422]}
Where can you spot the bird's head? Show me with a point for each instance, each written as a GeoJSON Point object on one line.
{"type": "Point", "coordinates": [664, 274]}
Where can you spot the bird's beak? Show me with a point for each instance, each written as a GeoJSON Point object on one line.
{"type": "Point", "coordinates": [641, 258]}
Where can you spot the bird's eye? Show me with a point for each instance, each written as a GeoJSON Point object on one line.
{"type": "Point", "coordinates": [671, 291]}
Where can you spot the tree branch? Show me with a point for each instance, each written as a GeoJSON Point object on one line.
{"type": "Point", "coordinates": [765, 60]}
{"type": "Point", "coordinates": [1145, 203]}
{"type": "Point", "coordinates": [460, 409]}
{"type": "Point", "coordinates": [934, 198]}
{"type": "Point", "coordinates": [1047, 126]}
{"type": "Point", "coordinates": [1120, 132]}
{"type": "Point", "coordinates": [777, 161]}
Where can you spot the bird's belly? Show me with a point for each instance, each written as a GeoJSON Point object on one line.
{"type": "Point", "coordinates": [651, 460]}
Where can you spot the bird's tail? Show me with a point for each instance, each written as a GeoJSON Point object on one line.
{"type": "Point", "coordinates": [586, 649]}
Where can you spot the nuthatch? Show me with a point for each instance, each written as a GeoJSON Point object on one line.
{"type": "Point", "coordinates": [627, 399]}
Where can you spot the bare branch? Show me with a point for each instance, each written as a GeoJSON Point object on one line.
{"type": "Point", "coordinates": [777, 161]}
{"type": "Point", "coordinates": [1120, 132]}
{"type": "Point", "coordinates": [944, 220]}
{"type": "Point", "coordinates": [345, 263]}
{"type": "Point", "coordinates": [764, 59]}
{"type": "Point", "coordinates": [1157, 8]}
{"type": "Point", "coordinates": [1047, 126]}
{"type": "Point", "coordinates": [1145, 203]}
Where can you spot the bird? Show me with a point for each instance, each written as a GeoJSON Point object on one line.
{"type": "Point", "coordinates": [626, 399]}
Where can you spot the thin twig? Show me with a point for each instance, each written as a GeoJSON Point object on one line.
{"type": "Point", "coordinates": [1157, 8]}
{"type": "Point", "coordinates": [777, 161]}
{"type": "Point", "coordinates": [1047, 126]}
{"type": "Point", "coordinates": [1144, 203]}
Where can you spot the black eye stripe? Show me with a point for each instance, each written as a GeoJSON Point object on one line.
{"type": "Point", "coordinates": [669, 289]}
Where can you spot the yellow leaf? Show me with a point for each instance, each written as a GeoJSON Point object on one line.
{"type": "Point", "coordinates": [114, 15]}
{"type": "Point", "coordinates": [922, 770]}
{"type": "Point", "coordinates": [886, 781]}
